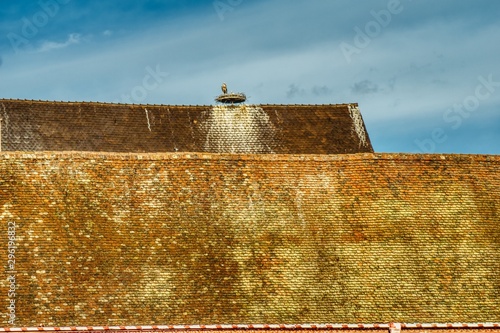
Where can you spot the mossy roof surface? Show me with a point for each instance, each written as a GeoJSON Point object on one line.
{"type": "Point", "coordinates": [110, 239]}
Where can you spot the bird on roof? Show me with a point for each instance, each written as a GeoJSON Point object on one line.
{"type": "Point", "coordinates": [224, 88]}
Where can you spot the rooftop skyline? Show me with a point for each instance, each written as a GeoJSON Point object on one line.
{"type": "Point", "coordinates": [425, 74]}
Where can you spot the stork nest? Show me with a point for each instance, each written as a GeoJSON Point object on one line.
{"type": "Point", "coordinates": [231, 98]}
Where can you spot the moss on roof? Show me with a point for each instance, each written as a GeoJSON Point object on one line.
{"type": "Point", "coordinates": [214, 238]}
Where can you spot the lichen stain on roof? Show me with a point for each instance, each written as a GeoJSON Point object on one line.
{"type": "Point", "coordinates": [238, 129]}
{"type": "Point", "coordinates": [213, 238]}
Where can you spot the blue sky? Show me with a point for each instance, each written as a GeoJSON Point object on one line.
{"type": "Point", "coordinates": [425, 73]}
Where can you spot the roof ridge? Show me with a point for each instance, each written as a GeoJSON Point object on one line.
{"type": "Point", "coordinates": [261, 157]}
{"type": "Point", "coordinates": [147, 104]}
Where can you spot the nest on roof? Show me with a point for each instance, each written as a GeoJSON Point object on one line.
{"type": "Point", "coordinates": [231, 98]}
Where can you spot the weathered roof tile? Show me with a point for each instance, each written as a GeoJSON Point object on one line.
{"type": "Point", "coordinates": [115, 239]}
{"type": "Point", "coordinates": [256, 129]}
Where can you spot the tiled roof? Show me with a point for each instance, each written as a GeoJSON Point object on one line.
{"type": "Point", "coordinates": [280, 129]}
{"type": "Point", "coordinates": [120, 239]}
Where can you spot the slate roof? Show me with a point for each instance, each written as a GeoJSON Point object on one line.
{"type": "Point", "coordinates": [198, 238]}
{"type": "Point", "coordinates": [280, 129]}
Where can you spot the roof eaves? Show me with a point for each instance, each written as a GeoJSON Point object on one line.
{"type": "Point", "coordinates": [393, 327]}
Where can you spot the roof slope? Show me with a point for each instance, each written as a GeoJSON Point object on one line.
{"type": "Point", "coordinates": [292, 129]}
{"type": "Point", "coordinates": [210, 238]}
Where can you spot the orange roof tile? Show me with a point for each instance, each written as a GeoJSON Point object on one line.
{"type": "Point", "coordinates": [199, 238]}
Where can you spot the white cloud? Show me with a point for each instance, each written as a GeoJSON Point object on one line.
{"type": "Point", "coordinates": [50, 45]}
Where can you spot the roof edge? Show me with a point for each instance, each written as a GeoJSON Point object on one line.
{"type": "Point", "coordinates": [49, 155]}
{"type": "Point", "coordinates": [158, 105]}
{"type": "Point", "coordinates": [228, 327]}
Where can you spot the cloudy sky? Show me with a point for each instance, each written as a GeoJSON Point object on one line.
{"type": "Point", "coordinates": [425, 73]}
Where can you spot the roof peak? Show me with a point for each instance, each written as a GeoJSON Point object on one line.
{"type": "Point", "coordinates": [160, 105]}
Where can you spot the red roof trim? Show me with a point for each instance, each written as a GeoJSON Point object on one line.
{"type": "Point", "coordinates": [250, 326]}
